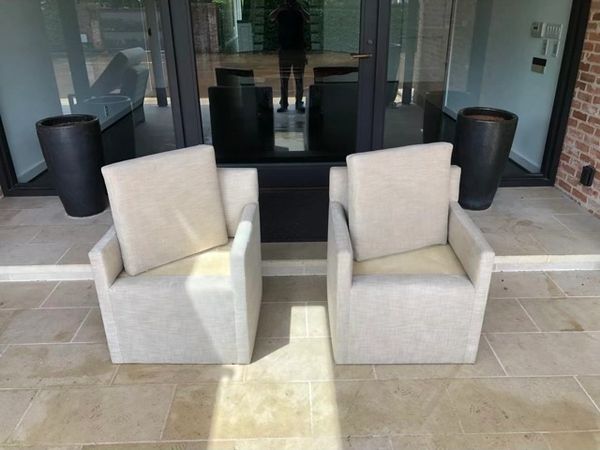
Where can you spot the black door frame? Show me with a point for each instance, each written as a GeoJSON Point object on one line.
{"type": "Point", "coordinates": [181, 67]}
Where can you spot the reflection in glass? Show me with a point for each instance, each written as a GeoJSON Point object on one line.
{"type": "Point", "coordinates": [417, 50]}
{"type": "Point", "coordinates": [276, 79]}
{"type": "Point", "coordinates": [450, 54]}
{"type": "Point", "coordinates": [86, 56]}
{"type": "Point", "coordinates": [491, 65]}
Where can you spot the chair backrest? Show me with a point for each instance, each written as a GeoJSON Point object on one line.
{"type": "Point", "coordinates": [398, 199]}
{"type": "Point", "coordinates": [338, 185]}
{"type": "Point", "coordinates": [135, 80]}
{"type": "Point", "coordinates": [241, 120]}
{"type": "Point", "coordinates": [333, 74]}
{"type": "Point", "coordinates": [332, 114]}
{"type": "Point", "coordinates": [112, 76]}
{"type": "Point", "coordinates": [332, 111]}
{"type": "Point", "coordinates": [227, 77]}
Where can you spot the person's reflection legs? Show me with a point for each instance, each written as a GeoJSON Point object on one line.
{"type": "Point", "coordinates": [299, 65]}
{"type": "Point", "coordinates": [285, 71]}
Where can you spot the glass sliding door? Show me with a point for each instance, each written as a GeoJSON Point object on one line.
{"type": "Point", "coordinates": [86, 56]}
{"type": "Point", "coordinates": [278, 80]}
{"type": "Point", "coordinates": [449, 54]}
{"type": "Point", "coordinates": [508, 54]}
{"type": "Point", "coordinates": [416, 70]}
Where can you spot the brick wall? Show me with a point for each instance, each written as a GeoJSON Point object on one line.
{"type": "Point", "coordinates": [582, 142]}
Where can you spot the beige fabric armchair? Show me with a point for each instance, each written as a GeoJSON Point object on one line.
{"type": "Point", "coordinates": [202, 309]}
{"type": "Point", "coordinates": [422, 306]}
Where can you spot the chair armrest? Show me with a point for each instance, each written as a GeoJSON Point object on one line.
{"type": "Point", "coordinates": [106, 259]}
{"type": "Point", "coordinates": [340, 261]}
{"type": "Point", "coordinates": [471, 247]}
{"type": "Point", "coordinates": [246, 242]}
{"type": "Point", "coordinates": [246, 275]}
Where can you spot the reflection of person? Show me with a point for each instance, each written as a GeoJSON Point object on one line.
{"type": "Point", "coordinates": [291, 17]}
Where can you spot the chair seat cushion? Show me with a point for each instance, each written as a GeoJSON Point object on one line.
{"type": "Point", "coordinates": [210, 263]}
{"type": "Point", "coordinates": [398, 199]}
{"type": "Point", "coordinates": [166, 206]}
{"type": "Point", "coordinates": [437, 259]}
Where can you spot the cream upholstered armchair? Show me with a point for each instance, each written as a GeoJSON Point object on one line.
{"type": "Point", "coordinates": [179, 275]}
{"type": "Point", "coordinates": [408, 272]}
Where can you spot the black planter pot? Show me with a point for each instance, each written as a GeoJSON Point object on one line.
{"type": "Point", "coordinates": [483, 140]}
{"type": "Point", "coordinates": [72, 147]}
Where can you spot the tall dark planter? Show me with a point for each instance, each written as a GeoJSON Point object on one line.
{"type": "Point", "coordinates": [72, 147]}
{"type": "Point", "coordinates": [484, 137]}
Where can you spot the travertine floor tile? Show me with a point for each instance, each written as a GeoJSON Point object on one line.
{"type": "Point", "coordinates": [530, 192]}
{"type": "Point", "coordinates": [571, 314]}
{"type": "Point", "coordinates": [28, 254]}
{"type": "Point", "coordinates": [18, 234]}
{"type": "Point", "coordinates": [548, 353]}
{"type": "Point", "coordinates": [92, 329]}
{"type": "Point", "coordinates": [73, 293]}
{"type": "Point", "coordinates": [471, 442]}
{"type": "Point", "coordinates": [300, 360]}
{"type": "Point", "coordinates": [592, 387]}
{"type": "Point", "coordinates": [77, 254]}
{"type": "Point", "coordinates": [12, 406]}
{"type": "Point", "coordinates": [102, 414]}
{"type": "Point", "coordinates": [295, 289]}
{"type": "Point", "coordinates": [70, 234]}
{"type": "Point", "coordinates": [52, 365]}
{"type": "Point", "coordinates": [506, 315]}
{"type": "Point", "coordinates": [32, 326]}
{"type": "Point", "coordinates": [486, 365]}
{"type": "Point", "coordinates": [511, 244]}
{"type": "Point", "coordinates": [22, 295]}
{"type": "Point", "coordinates": [43, 447]}
{"type": "Point", "coordinates": [323, 443]}
{"type": "Point", "coordinates": [522, 405]}
{"type": "Point", "coordinates": [282, 320]}
{"type": "Point", "coordinates": [365, 408]}
{"type": "Point", "coordinates": [558, 205]}
{"type": "Point", "coordinates": [317, 319]}
{"type": "Point", "coordinates": [573, 441]}
{"type": "Point", "coordinates": [515, 222]}
{"type": "Point", "coordinates": [522, 285]}
{"type": "Point", "coordinates": [204, 445]}
{"type": "Point", "coordinates": [7, 216]}
{"type": "Point", "coordinates": [239, 410]}
{"type": "Point", "coordinates": [294, 250]}
{"type": "Point", "coordinates": [584, 283]}
{"type": "Point", "coordinates": [177, 373]}
{"type": "Point", "coordinates": [565, 242]}
{"type": "Point", "coordinates": [583, 223]}
{"type": "Point", "coordinates": [29, 202]}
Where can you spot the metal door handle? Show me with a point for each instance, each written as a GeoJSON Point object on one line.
{"type": "Point", "coordinates": [360, 55]}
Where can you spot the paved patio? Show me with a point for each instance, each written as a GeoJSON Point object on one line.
{"type": "Point", "coordinates": [530, 229]}
{"type": "Point", "coordinates": [536, 384]}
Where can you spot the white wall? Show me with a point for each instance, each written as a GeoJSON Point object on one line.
{"type": "Point", "coordinates": [28, 90]}
{"type": "Point", "coordinates": [498, 74]}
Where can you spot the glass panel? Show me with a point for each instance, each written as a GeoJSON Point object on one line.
{"type": "Point", "coordinates": [276, 79]}
{"type": "Point", "coordinates": [419, 32]}
{"type": "Point", "coordinates": [493, 49]}
{"type": "Point", "coordinates": [488, 62]}
{"type": "Point", "coordinates": [86, 56]}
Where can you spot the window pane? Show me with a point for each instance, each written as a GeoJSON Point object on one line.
{"type": "Point", "coordinates": [88, 56]}
{"type": "Point", "coordinates": [276, 78]}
